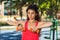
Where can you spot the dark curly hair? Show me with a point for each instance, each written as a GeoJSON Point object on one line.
{"type": "Point", "coordinates": [35, 8]}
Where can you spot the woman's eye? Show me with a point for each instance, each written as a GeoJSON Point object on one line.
{"type": "Point", "coordinates": [32, 13]}
{"type": "Point", "coordinates": [28, 13]}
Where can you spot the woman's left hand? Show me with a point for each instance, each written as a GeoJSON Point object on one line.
{"type": "Point", "coordinates": [34, 29]}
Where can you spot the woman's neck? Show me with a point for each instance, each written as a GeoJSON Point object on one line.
{"type": "Point", "coordinates": [32, 21]}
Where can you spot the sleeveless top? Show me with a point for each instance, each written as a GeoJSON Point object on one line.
{"type": "Point", "coordinates": [28, 35]}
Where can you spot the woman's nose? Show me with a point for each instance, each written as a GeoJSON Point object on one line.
{"type": "Point", "coordinates": [30, 14]}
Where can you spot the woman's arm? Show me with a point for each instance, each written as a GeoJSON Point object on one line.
{"type": "Point", "coordinates": [19, 24]}
{"type": "Point", "coordinates": [44, 24]}
{"type": "Point", "coordinates": [14, 23]}
{"type": "Point", "coordinates": [41, 25]}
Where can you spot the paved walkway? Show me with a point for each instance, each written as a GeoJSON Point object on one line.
{"type": "Point", "coordinates": [14, 27]}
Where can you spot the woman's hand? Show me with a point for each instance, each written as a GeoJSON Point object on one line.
{"type": "Point", "coordinates": [34, 29]}
{"type": "Point", "coordinates": [20, 27]}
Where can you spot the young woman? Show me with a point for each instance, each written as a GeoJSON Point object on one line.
{"type": "Point", "coordinates": [30, 28]}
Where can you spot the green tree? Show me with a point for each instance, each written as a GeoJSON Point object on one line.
{"type": "Point", "coordinates": [18, 5]}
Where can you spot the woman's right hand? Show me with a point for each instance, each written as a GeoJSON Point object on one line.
{"type": "Point", "coordinates": [20, 28]}
{"type": "Point", "coordinates": [34, 29]}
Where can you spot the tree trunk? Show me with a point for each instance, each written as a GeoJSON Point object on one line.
{"type": "Point", "coordinates": [20, 12]}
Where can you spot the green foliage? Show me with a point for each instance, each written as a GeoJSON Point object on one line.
{"type": "Point", "coordinates": [44, 5]}
{"type": "Point", "coordinates": [51, 5]}
{"type": "Point", "coordinates": [4, 24]}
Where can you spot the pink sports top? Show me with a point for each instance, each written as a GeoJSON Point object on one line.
{"type": "Point", "coordinates": [28, 35]}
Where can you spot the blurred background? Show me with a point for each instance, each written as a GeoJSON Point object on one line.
{"type": "Point", "coordinates": [49, 10]}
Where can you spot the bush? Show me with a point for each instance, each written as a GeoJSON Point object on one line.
{"type": "Point", "coordinates": [4, 24]}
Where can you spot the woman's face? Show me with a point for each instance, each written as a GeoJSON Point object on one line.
{"type": "Point", "coordinates": [31, 14]}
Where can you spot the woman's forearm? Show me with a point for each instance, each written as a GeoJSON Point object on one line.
{"type": "Point", "coordinates": [12, 23]}
{"type": "Point", "coordinates": [45, 24]}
